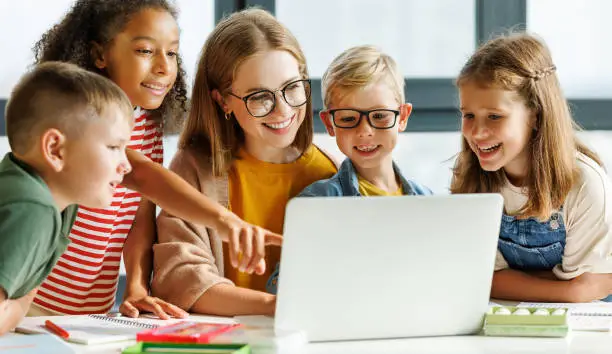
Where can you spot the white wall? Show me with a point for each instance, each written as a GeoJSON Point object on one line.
{"type": "Point", "coordinates": [414, 32]}
{"type": "Point", "coordinates": [578, 34]}
{"type": "Point", "coordinates": [21, 25]}
{"type": "Point", "coordinates": [4, 145]}
{"type": "Point", "coordinates": [424, 157]}
{"type": "Point", "coordinates": [23, 22]}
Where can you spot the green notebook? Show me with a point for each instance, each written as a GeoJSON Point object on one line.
{"type": "Point", "coordinates": [183, 348]}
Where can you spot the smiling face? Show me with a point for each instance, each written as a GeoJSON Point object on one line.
{"type": "Point", "coordinates": [270, 70]}
{"type": "Point", "coordinates": [367, 147]}
{"type": "Point", "coordinates": [142, 59]}
{"type": "Point", "coordinates": [96, 161]}
{"type": "Point", "coordinates": [498, 127]}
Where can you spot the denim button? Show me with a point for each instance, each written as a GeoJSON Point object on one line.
{"type": "Point", "coordinates": [554, 224]}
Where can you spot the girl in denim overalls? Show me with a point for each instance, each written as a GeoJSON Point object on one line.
{"type": "Point", "coordinates": [555, 239]}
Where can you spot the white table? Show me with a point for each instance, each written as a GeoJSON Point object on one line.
{"type": "Point", "coordinates": [574, 343]}
{"type": "Point", "coordinates": [577, 342]}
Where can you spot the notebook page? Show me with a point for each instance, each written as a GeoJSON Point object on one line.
{"type": "Point", "coordinates": [193, 318]}
{"type": "Point", "coordinates": [591, 316]}
{"type": "Point", "coordinates": [595, 308]}
{"type": "Point", "coordinates": [590, 323]}
{"type": "Point", "coordinates": [83, 329]}
{"type": "Point", "coordinates": [95, 329]}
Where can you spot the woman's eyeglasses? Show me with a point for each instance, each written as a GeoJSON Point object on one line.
{"type": "Point", "coordinates": [261, 103]}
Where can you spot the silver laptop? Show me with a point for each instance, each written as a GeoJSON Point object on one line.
{"type": "Point", "coordinates": [387, 267]}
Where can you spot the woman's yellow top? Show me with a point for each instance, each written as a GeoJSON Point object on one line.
{"type": "Point", "coordinates": [259, 192]}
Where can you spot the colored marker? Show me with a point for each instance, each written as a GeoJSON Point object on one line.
{"type": "Point", "coordinates": [57, 329]}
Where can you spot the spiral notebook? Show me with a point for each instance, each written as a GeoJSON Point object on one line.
{"type": "Point", "coordinates": [591, 316]}
{"type": "Point", "coordinates": [97, 329]}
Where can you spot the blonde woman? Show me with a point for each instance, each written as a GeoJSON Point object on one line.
{"type": "Point", "coordinates": [248, 144]}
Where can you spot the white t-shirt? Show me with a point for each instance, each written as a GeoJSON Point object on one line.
{"type": "Point", "coordinates": [587, 214]}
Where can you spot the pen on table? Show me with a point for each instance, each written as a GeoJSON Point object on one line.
{"type": "Point", "coordinates": [57, 329]}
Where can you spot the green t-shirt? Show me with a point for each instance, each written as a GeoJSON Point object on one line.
{"type": "Point", "coordinates": [33, 233]}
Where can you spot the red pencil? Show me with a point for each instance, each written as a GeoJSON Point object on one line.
{"type": "Point", "coordinates": [57, 329]}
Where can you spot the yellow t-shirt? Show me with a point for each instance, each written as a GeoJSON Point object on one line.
{"type": "Point", "coordinates": [367, 189]}
{"type": "Point", "coordinates": [259, 192]}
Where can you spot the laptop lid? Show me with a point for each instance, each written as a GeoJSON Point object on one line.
{"type": "Point", "coordinates": [387, 267]}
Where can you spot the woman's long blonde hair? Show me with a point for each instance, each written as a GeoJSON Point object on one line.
{"type": "Point", "coordinates": [214, 139]}
{"type": "Point", "coordinates": [522, 63]}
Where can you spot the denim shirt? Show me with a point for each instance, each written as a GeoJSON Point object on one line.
{"type": "Point", "coordinates": [344, 184]}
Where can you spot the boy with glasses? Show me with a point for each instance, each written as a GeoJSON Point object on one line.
{"type": "Point", "coordinates": [363, 94]}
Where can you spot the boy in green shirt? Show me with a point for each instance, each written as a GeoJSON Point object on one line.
{"type": "Point", "coordinates": [68, 129]}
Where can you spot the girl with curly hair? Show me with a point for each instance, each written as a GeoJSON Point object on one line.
{"type": "Point", "coordinates": [134, 43]}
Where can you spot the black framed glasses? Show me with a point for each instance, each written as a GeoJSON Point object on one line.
{"type": "Point", "coordinates": [350, 118]}
{"type": "Point", "coordinates": [261, 103]}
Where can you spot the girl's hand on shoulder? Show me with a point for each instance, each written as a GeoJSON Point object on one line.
{"type": "Point", "coordinates": [591, 286]}
{"type": "Point", "coordinates": [247, 242]}
{"type": "Point", "coordinates": [139, 301]}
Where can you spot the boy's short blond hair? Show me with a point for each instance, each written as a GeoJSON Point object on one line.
{"type": "Point", "coordinates": [61, 96]}
{"type": "Point", "coordinates": [359, 67]}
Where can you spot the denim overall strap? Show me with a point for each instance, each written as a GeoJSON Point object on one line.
{"type": "Point", "coordinates": [528, 244]}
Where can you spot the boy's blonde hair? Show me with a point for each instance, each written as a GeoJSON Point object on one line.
{"type": "Point", "coordinates": [521, 63]}
{"type": "Point", "coordinates": [358, 67]}
{"type": "Point", "coordinates": [61, 96]}
{"type": "Point", "coordinates": [211, 137]}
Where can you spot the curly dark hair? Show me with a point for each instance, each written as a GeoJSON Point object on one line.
{"type": "Point", "coordinates": [100, 21]}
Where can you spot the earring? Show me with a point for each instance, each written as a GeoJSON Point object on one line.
{"type": "Point", "coordinates": [228, 116]}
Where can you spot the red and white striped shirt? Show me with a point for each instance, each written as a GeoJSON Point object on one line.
{"type": "Point", "coordinates": [85, 278]}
